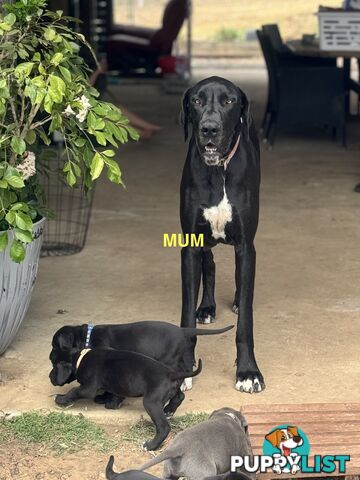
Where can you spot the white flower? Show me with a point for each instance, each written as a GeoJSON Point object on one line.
{"type": "Point", "coordinates": [69, 111]}
{"type": "Point", "coordinates": [85, 102]}
{"type": "Point", "coordinates": [27, 167]}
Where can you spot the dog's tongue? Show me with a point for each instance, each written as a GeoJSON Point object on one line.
{"type": "Point", "coordinates": [287, 451]}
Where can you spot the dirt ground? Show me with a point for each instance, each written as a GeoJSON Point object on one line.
{"type": "Point", "coordinates": [307, 301]}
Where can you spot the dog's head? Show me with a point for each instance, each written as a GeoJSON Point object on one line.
{"type": "Point", "coordinates": [285, 439]}
{"type": "Point", "coordinates": [66, 342]}
{"type": "Point", "coordinates": [218, 112]}
{"type": "Point", "coordinates": [237, 416]}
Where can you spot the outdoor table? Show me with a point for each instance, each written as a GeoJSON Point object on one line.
{"type": "Point", "coordinates": [313, 50]}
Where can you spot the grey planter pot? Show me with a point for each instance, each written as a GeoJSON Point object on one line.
{"type": "Point", "coordinates": [16, 286]}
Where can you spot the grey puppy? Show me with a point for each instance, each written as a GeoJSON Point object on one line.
{"type": "Point", "coordinates": [205, 449]}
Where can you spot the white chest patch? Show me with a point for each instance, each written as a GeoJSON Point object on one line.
{"type": "Point", "coordinates": [218, 216]}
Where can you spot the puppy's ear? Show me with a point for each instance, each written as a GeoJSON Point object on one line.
{"type": "Point", "coordinates": [63, 373]}
{"type": "Point", "coordinates": [293, 430]}
{"type": "Point", "coordinates": [185, 113]}
{"type": "Point", "coordinates": [63, 339]}
{"type": "Point", "coordinates": [245, 115]}
{"type": "Point", "coordinates": [274, 438]}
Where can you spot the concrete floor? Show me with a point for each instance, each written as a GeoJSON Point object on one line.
{"type": "Point", "coordinates": [307, 301]}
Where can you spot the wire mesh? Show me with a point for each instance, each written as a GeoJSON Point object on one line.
{"type": "Point", "coordinates": [66, 233]}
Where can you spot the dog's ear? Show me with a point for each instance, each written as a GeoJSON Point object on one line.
{"type": "Point", "coordinates": [185, 113]}
{"type": "Point", "coordinates": [63, 373]}
{"type": "Point", "coordinates": [274, 438]}
{"type": "Point", "coordinates": [245, 115]}
{"type": "Point", "coordinates": [294, 431]}
{"type": "Point", "coordinates": [63, 339]}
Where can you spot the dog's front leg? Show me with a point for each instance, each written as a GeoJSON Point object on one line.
{"type": "Point", "coordinates": [248, 376]}
{"type": "Point", "coordinates": [190, 278]}
{"type": "Point", "coordinates": [75, 394]}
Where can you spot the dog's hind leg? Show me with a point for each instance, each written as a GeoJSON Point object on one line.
{"type": "Point", "coordinates": [110, 400]}
{"type": "Point", "coordinates": [207, 308]}
{"type": "Point", "coordinates": [154, 408]}
{"type": "Point", "coordinates": [174, 403]}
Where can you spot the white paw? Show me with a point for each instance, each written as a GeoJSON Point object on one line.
{"type": "Point", "coordinates": [248, 385]}
{"type": "Point", "coordinates": [235, 309]}
{"type": "Point", "coordinates": [186, 385]}
{"type": "Point", "coordinates": [295, 469]}
{"type": "Point", "coordinates": [277, 469]}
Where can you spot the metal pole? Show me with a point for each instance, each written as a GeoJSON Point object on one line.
{"type": "Point", "coordinates": [189, 38]}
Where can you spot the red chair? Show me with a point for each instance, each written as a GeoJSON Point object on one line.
{"type": "Point", "coordinates": [134, 50]}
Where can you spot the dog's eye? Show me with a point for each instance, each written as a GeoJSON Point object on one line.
{"type": "Point", "coordinates": [228, 101]}
{"type": "Point", "coordinates": [196, 101]}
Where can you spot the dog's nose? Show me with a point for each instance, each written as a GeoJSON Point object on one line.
{"type": "Point", "coordinates": [209, 129]}
{"type": "Point", "coordinates": [297, 439]}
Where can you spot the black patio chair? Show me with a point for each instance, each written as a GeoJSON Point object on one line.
{"type": "Point", "coordinates": [286, 56]}
{"type": "Point", "coordinates": [302, 95]}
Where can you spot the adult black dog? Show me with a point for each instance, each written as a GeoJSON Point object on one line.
{"type": "Point", "coordinates": [127, 374]}
{"type": "Point", "coordinates": [162, 341]}
{"type": "Point", "coordinates": [219, 198]}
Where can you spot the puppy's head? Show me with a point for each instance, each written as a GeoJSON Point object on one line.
{"type": "Point", "coordinates": [218, 111]}
{"type": "Point", "coordinates": [236, 415]}
{"type": "Point", "coordinates": [285, 439]}
{"type": "Point", "coordinates": [63, 370]}
{"type": "Point", "coordinates": [65, 343]}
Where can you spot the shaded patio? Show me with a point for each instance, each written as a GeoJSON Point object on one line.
{"type": "Point", "coordinates": [306, 299]}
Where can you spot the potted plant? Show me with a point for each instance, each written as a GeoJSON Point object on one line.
{"type": "Point", "coordinates": [43, 88]}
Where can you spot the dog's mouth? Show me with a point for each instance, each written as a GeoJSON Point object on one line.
{"type": "Point", "coordinates": [287, 451]}
{"type": "Point", "coordinates": [211, 154]}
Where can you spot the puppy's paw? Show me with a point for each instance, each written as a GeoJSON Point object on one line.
{"type": "Point", "coordinates": [250, 384]}
{"type": "Point", "coordinates": [150, 445]}
{"type": "Point", "coordinates": [62, 401]}
{"type": "Point", "coordinates": [186, 385]}
{"type": "Point", "coordinates": [235, 308]}
{"type": "Point", "coordinates": [206, 315]}
{"type": "Point", "coordinates": [113, 404]}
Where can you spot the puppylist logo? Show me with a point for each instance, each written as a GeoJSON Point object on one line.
{"type": "Point", "coordinates": [286, 449]}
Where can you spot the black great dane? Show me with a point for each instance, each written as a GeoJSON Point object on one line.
{"type": "Point", "coordinates": [219, 198]}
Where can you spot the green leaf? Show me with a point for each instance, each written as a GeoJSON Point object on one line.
{"type": "Point", "coordinates": [133, 133]}
{"type": "Point", "coordinates": [10, 218]}
{"type": "Point", "coordinates": [97, 166]}
{"type": "Point", "coordinates": [50, 34]}
{"type": "Point", "coordinates": [18, 145]}
{"type": "Point", "coordinates": [3, 241]}
{"type": "Point", "coordinates": [91, 120]}
{"type": "Point", "coordinates": [65, 73]}
{"type": "Point", "coordinates": [30, 137]}
{"type": "Point", "coordinates": [16, 182]}
{"type": "Point", "coordinates": [114, 173]}
{"type": "Point", "coordinates": [23, 70]}
{"type": "Point", "coordinates": [17, 252]}
{"type": "Point", "coordinates": [10, 19]}
{"type": "Point", "coordinates": [57, 88]}
{"type": "Point", "coordinates": [109, 153]}
{"type": "Point", "coordinates": [57, 58]}
{"type": "Point", "coordinates": [100, 138]}
{"type": "Point", "coordinates": [23, 221]}
{"type": "Point", "coordinates": [80, 142]}
{"type": "Point", "coordinates": [20, 206]}
{"type": "Point", "coordinates": [3, 183]}
{"type": "Point", "coordinates": [70, 178]}
{"type": "Point", "coordinates": [48, 103]}
{"type": "Point", "coordinates": [23, 235]}
{"type": "Point", "coordinates": [43, 136]}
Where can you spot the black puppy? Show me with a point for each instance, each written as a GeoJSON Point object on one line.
{"type": "Point", "coordinates": [219, 198]}
{"type": "Point", "coordinates": [126, 374]}
{"type": "Point", "coordinates": [162, 341]}
{"type": "Point", "coordinates": [128, 475]}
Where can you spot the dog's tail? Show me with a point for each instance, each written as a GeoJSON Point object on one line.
{"type": "Point", "coordinates": [166, 455]}
{"type": "Point", "coordinates": [191, 332]}
{"type": "Point", "coordinates": [181, 375]}
{"type": "Point", "coordinates": [110, 474]}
